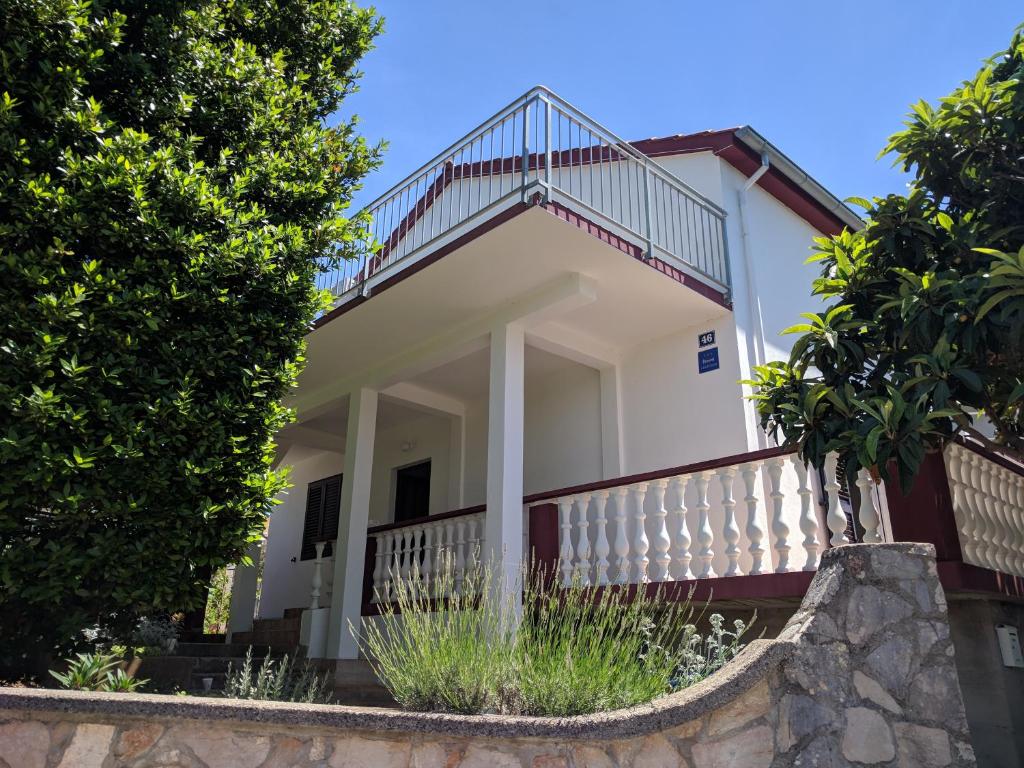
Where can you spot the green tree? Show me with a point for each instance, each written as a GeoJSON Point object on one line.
{"type": "Point", "coordinates": [169, 188]}
{"type": "Point", "coordinates": [924, 329]}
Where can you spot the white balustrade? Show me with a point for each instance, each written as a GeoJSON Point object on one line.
{"type": "Point", "coordinates": [424, 552]}
{"type": "Point", "coordinates": [780, 530]}
{"type": "Point", "coordinates": [705, 538]}
{"type": "Point", "coordinates": [565, 553]}
{"type": "Point", "coordinates": [662, 541]}
{"type": "Point", "coordinates": [318, 579]}
{"type": "Point", "coordinates": [730, 531]}
{"type": "Point", "coordinates": [641, 544]}
{"type": "Point", "coordinates": [601, 547]}
{"type": "Point", "coordinates": [808, 519]}
{"type": "Point", "coordinates": [834, 517]}
{"type": "Point", "coordinates": [621, 542]}
{"type": "Point", "coordinates": [583, 552]}
{"type": "Point", "coordinates": [754, 531]}
{"type": "Point", "coordinates": [687, 526]}
{"type": "Point", "coordinates": [988, 505]}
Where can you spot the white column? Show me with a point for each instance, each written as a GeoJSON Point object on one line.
{"type": "Point", "coordinates": [350, 548]}
{"type": "Point", "coordinates": [611, 423]}
{"type": "Point", "coordinates": [503, 527]}
{"type": "Point", "coordinates": [243, 592]}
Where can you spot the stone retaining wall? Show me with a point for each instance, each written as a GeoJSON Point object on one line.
{"type": "Point", "coordinates": [862, 675]}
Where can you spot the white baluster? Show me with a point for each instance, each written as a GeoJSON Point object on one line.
{"type": "Point", "coordinates": [378, 568]}
{"type": "Point", "coordinates": [705, 537]}
{"type": "Point", "coordinates": [406, 568]}
{"type": "Point", "coordinates": [472, 550]}
{"type": "Point", "coordinates": [583, 554]}
{"type": "Point", "coordinates": [601, 548]}
{"type": "Point", "coordinates": [1016, 502]}
{"type": "Point", "coordinates": [621, 540]}
{"type": "Point", "coordinates": [662, 542]}
{"type": "Point", "coordinates": [867, 515]}
{"type": "Point", "coordinates": [396, 564]}
{"type": "Point", "coordinates": [977, 499]}
{"type": "Point", "coordinates": [318, 577]}
{"type": "Point", "coordinates": [640, 542]}
{"type": "Point", "coordinates": [755, 534]}
{"type": "Point", "coordinates": [730, 531]}
{"type": "Point", "coordinates": [1002, 519]}
{"type": "Point", "coordinates": [954, 472]}
{"type": "Point", "coordinates": [780, 531]}
{"type": "Point", "coordinates": [681, 548]}
{"type": "Point", "coordinates": [834, 517]}
{"type": "Point", "coordinates": [427, 568]}
{"type": "Point", "coordinates": [460, 554]}
{"type": "Point", "coordinates": [808, 518]}
{"type": "Point", "coordinates": [565, 550]}
{"type": "Point", "coordinates": [449, 558]}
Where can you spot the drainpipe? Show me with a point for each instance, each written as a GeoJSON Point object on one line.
{"type": "Point", "coordinates": [756, 349]}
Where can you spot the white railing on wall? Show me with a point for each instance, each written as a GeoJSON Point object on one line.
{"type": "Point", "coordinates": [420, 549]}
{"type": "Point", "coordinates": [747, 518]}
{"type": "Point", "coordinates": [988, 503]}
{"type": "Point", "coordinates": [540, 144]}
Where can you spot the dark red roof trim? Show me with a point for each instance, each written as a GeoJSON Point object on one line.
{"type": "Point", "coordinates": [741, 157]}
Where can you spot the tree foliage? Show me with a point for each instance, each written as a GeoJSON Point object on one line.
{"type": "Point", "coordinates": [924, 327]}
{"type": "Point", "coordinates": [169, 185]}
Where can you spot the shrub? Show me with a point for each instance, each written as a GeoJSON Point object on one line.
{"type": "Point", "coordinates": [156, 635]}
{"type": "Point", "coordinates": [283, 679]}
{"type": "Point", "coordinates": [97, 672]}
{"type": "Point", "coordinates": [171, 186]}
{"type": "Point", "coordinates": [451, 655]}
{"type": "Point", "coordinates": [576, 650]}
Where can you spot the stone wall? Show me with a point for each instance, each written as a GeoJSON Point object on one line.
{"type": "Point", "coordinates": [863, 675]}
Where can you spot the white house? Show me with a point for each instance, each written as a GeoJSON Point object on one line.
{"type": "Point", "coordinates": [543, 357]}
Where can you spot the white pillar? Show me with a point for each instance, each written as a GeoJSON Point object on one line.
{"type": "Point", "coordinates": [350, 548]}
{"type": "Point", "coordinates": [503, 527]}
{"type": "Point", "coordinates": [243, 593]}
{"type": "Point", "coordinates": [611, 423]}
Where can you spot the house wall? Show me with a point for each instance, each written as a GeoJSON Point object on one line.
{"type": "Point", "coordinates": [286, 584]}
{"type": "Point", "coordinates": [561, 433]}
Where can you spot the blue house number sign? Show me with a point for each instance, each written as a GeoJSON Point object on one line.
{"type": "Point", "coordinates": [707, 360]}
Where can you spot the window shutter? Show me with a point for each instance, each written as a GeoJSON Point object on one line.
{"type": "Point", "coordinates": [332, 508]}
{"type": "Point", "coordinates": [323, 504]}
{"type": "Point", "coordinates": [314, 513]}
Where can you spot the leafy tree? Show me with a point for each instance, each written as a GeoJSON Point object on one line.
{"type": "Point", "coordinates": [169, 187]}
{"type": "Point", "coordinates": [924, 330]}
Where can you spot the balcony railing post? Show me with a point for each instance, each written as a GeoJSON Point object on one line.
{"type": "Point", "coordinates": [547, 150]}
{"type": "Point", "coordinates": [526, 148]}
{"type": "Point", "coordinates": [647, 210]}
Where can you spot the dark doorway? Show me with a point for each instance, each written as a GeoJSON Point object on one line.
{"type": "Point", "coordinates": [412, 492]}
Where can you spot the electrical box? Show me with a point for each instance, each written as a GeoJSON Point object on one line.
{"type": "Point", "coordinates": [1009, 646]}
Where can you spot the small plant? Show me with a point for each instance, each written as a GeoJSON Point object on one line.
{"type": "Point", "coordinates": [157, 635]}
{"type": "Point", "coordinates": [283, 679]}
{"type": "Point", "coordinates": [97, 672]}
{"type": "Point", "coordinates": [119, 681]}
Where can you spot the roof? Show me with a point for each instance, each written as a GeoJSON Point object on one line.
{"type": "Point", "coordinates": [743, 148]}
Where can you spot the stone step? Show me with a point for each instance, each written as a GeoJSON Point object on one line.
{"type": "Point", "coordinates": [207, 650]}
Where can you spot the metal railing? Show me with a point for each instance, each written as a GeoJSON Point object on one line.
{"type": "Point", "coordinates": [539, 144]}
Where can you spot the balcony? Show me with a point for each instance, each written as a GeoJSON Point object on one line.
{"type": "Point", "coordinates": [538, 150]}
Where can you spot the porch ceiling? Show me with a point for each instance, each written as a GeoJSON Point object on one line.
{"type": "Point", "coordinates": [634, 303]}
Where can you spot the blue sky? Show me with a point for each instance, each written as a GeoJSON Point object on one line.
{"type": "Point", "coordinates": [826, 81]}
